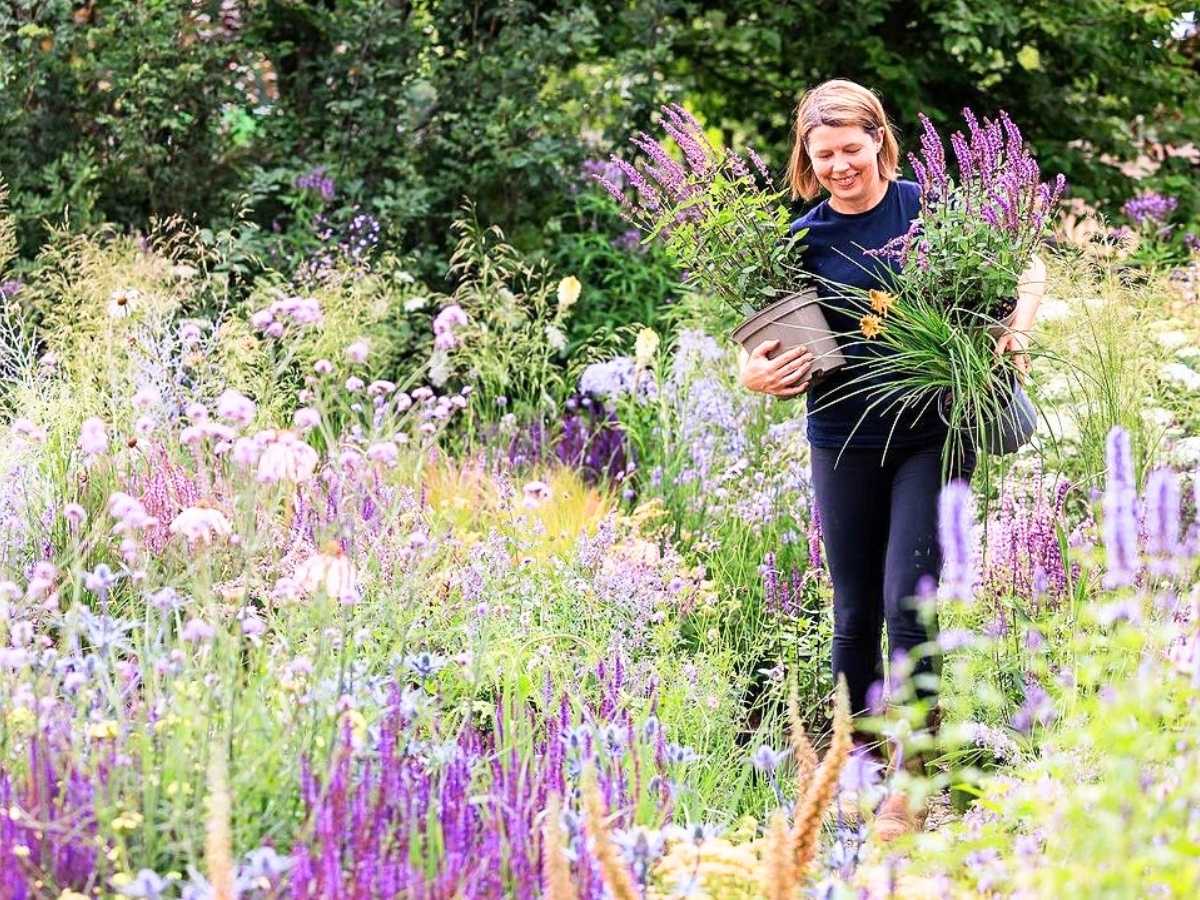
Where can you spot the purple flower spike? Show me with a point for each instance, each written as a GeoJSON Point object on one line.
{"type": "Point", "coordinates": [1120, 515]}
{"type": "Point", "coordinates": [1162, 519]}
{"type": "Point", "coordinates": [956, 516]}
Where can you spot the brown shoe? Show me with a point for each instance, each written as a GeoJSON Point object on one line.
{"type": "Point", "coordinates": [897, 818]}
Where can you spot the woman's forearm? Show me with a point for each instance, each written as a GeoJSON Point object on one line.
{"type": "Point", "coordinates": [1030, 288]}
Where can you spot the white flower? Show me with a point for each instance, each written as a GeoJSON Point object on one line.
{"type": "Point", "coordinates": [1180, 375]}
{"type": "Point", "coordinates": [200, 525]}
{"type": "Point", "coordinates": [568, 292]}
{"type": "Point", "coordinates": [556, 339]}
{"type": "Point", "coordinates": [286, 458]}
{"type": "Point", "coordinates": [330, 572]}
{"type": "Point", "coordinates": [412, 304]}
{"type": "Point", "coordinates": [121, 302]}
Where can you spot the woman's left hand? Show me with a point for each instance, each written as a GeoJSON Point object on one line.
{"type": "Point", "coordinates": [1016, 343]}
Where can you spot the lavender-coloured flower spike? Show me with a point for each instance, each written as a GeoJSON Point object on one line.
{"type": "Point", "coordinates": [1162, 520]}
{"type": "Point", "coordinates": [1120, 514]}
{"type": "Point", "coordinates": [956, 516]}
{"type": "Point", "coordinates": [760, 166]}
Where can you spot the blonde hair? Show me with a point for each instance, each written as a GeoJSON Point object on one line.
{"type": "Point", "coordinates": [838, 103]}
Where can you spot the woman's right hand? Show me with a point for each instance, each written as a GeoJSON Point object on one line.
{"type": "Point", "coordinates": [785, 375]}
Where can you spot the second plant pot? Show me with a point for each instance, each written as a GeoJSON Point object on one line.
{"type": "Point", "coordinates": [1009, 430]}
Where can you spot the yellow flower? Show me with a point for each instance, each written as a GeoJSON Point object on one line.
{"type": "Point", "coordinates": [21, 718]}
{"type": "Point", "coordinates": [871, 326]}
{"type": "Point", "coordinates": [568, 292]}
{"type": "Point", "coordinates": [881, 301]}
{"type": "Point", "coordinates": [102, 730]}
{"type": "Point", "coordinates": [127, 821]}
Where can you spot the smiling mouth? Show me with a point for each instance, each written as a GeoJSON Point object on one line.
{"type": "Point", "coordinates": [844, 182]}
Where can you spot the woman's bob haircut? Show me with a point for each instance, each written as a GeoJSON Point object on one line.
{"type": "Point", "coordinates": [838, 103]}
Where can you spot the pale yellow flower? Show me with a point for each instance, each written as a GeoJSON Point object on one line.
{"type": "Point", "coordinates": [645, 347]}
{"type": "Point", "coordinates": [568, 292]}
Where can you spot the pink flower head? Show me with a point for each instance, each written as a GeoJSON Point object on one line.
{"type": "Point", "coordinates": [384, 452]}
{"type": "Point", "coordinates": [197, 630]}
{"type": "Point", "coordinates": [200, 525]}
{"type": "Point", "coordinates": [75, 515]}
{"type": "Point", "coordinates": [306, 419]}
{"type": "Point", "coordinates": [129, 512]}
{"type": "Point", "coordinates": [536, 493]}
{"type": "Point", "coordinates": [146, 398]}
{"type": "Point", "coordinates": [235, 407]}
{"type": "Point", "coordinates": [196, 412]}
{"type": "Point", "coordinates": [380, 388]}
{"type": "Point", "coordinates": [93, 440]}
{"type": "Point", "coordinates": [357, 352]}
{"type": "Point", "coordinates": [331, 573]}
{"type": "Point", "coordinates": [246, 451]}
{"type": "Point", "coordinates": [323, 367]}
{"type": "Point", "coordinates": [286, 458]}
{"type": "Point", "coordinates": [189, 333]}
{"type": "Point", "coordinates": [444, 324]}
{"type": "Point", "coordinates": [354, 384]}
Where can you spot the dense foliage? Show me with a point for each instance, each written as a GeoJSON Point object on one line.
{"type": "Point", "coordinates": [292, 120]}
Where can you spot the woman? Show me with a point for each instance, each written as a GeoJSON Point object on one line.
{"type": "Point", "coordinates": [878, 509]}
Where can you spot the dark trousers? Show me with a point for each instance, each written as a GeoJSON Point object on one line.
{"type": "Point", "coordinates": [879, 524]}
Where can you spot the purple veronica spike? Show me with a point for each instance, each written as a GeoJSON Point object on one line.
{"type": "Point", "coordinates": [956, 516]}
{"type": "Point", "coordinates": [1120, 515]}
{"type": "Point", "coordinates": [1162, 519]}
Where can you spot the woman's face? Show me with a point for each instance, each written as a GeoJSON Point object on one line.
{"type": "Point", "coordinates": [845, 160]}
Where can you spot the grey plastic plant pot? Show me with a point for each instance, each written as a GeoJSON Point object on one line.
{"type": "Point", "coordinates": [796, 319]}
{"type": "Point", "coordinates": [1012, 428]}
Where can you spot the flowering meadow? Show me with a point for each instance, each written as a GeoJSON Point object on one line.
{"type": "Point", "coordinates": [289, 608]}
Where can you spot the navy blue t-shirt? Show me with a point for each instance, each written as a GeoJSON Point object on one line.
{"type": "Point", "coordinates": [835, 244]}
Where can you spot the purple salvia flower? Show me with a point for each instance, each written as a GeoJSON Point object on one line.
{"type": "Point", "coordinates": [645, 191]}
{"type": "Point", "coordinates": [613, 191]}
{"type": "Point", "coordinates": [760, 166]}
{"type": "Point", "coordinates": [955, 521]}
{"type": "Point", "coordinates": [814, 539]}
